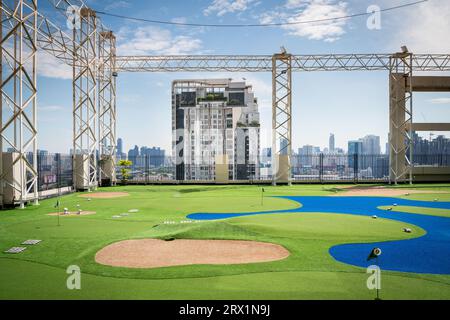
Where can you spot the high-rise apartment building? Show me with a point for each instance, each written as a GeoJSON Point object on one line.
{"type": "Point", "coordinates": [354, 148]}
{"type": "Point", "coordinates": [154, 156]}
{"type": "Point", "coordinates": [119, 146]}
{"type": "Point", "coordinates": [119, 150]}
{"type": "Point", "coordinates": [371, 145]}
{"type": "Point", "coordinates": [215, 121]}
{"type": "Point", "coordinates": [307, 154]}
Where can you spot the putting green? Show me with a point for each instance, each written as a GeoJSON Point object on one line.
{"type": "Point", "coordinates": [419, 210]}
{"type": "Point", "coordinates": [309, 272]}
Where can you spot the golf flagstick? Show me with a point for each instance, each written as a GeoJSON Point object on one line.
{"type": "Point", "coordinates": [59, 189]}
{"type": "Point", "coordinates": [374, 254]}
{"type": "Point", "coordinates": [58, 211]}
{"type": "Point", "coordinates": [262, 197]}
{"type": "Point", "coordinates": [378, 280]}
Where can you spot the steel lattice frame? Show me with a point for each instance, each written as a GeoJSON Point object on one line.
{"type": "Point", "coordinates": [263, 63]}
{"type": "Point", "coordinates": [281, 117]}
{"type": "Point", "coordinates": [18, 123]}
{"type": "Point", "coordinates": [54, 41]}
{"type": "Point", "coordinates": [401, 118]}
{"type": "Point", "coordinates": [85, 66]}
{"type": "Point", "coordinates": [107, 100]}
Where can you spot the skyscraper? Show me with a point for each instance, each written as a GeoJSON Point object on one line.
{"type": "Point", "coordinates": [305, 155]}
{"type": "Point", "coordinates": [215, 120]}
{"type": "Point", "coordinates": [371, 145]}
{"type": "Point", "coordinates": [155, 156]}
{"type": "Point", "coordinates": [119, 146]}
{"type": "Point", "coordinates": [119, 149]}
{"type": "Point", "coordinates": [133, 154]}
{"type": "Point", "coordinates": [266, 155]}
{"type": "Point", "coordinates": [331, 143]}
{"type": "Point", "coordinates": [354, 148]}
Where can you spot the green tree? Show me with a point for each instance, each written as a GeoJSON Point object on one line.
{"type": "Point", "coordinates": [125, 169]}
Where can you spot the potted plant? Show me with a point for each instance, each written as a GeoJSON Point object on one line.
{"type": "Point", "coordinates": [125, 170]}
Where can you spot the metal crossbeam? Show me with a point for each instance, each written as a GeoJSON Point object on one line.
{"type": "Point", "coordinates": [263, 63]}
{"type": "Point", "coordinates": [54, 41]}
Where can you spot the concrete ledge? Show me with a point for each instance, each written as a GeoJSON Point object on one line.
{"type": "Point", "coordinates": [431, 174]}
{"type": "Point", "coordinates": [430, 84]}
{"type": "Point", "coordinates": [429, 126]}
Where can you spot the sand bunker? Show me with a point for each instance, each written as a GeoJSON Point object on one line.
{"type": "Point", "coordinates": [104, 195]}
{"type": "Point", "coordinates": [381, 191]}
{"type": "Point", "coordinates": [73, 213]}
{"type": "Point", "coordinates": [154, 253]}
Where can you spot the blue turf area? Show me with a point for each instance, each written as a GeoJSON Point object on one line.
{"type": "Point", "coordinates": [427, 254]}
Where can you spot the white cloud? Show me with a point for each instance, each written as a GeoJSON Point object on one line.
{"type": "Point", "coordinates": [440, 101]}
{"type": "Point", "coordinates": [425, 28]}
{"type": "Point", "coordinates": [117, 5]}
{"type": "Point", "coordinates": [51, 108]}
{"type": "Point", "coordinates": [153, 40]}
{"type": "Point", "coordinates": [47, 65]}
{"type": "Point", "coordinates": [222, 7]}
{"type": "Point", "coordinates": [50, 67]}
{"type": "Point", "coordinates": [296, 11]}
{"type": "Point", "coordinates": [179, 20]}
{"type": "Point", "coordinates": [295, 3]}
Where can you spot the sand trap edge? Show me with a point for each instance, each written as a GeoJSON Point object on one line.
{"type": "Point", "coordinates": [104, 195]}
{"type": "Point", "coordinates": [156, 253]}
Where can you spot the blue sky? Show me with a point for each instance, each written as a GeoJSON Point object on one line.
{"type": "Point", "coordinates": [350, 104]}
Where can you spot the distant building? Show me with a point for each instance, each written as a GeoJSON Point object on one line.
{"type": "Point", "coordinates": [154, 156]}
{"type": "Point", "coordinates": [354, 148]}
{"type": "Point", "coordinates": [147, 157]}
{"type": "Point", "coordinates": [440, 145]}
{"type": "Point", "coordinates": [371, 145]}
{"type": "Point", "coordinates": [266, 156]}
{"type": "Point", "coordinates": [211, 119]}
{"type": "Point", "coordinates": [119, 146]}
{"type": "Point", "coordinates": [133, 154]}
{"type": "Point", "coordinates": [331, 143]}
{"type": "Point", "coordinates": [431, 152]}
{"type": "Point", "coordinates": [307, 155]}
{"type": "Point", "coordinates": [119, 150]}
{"type": "Point", "coordinates": [371, 150]}
{"type": "Point", "coordinates": [381, 168]}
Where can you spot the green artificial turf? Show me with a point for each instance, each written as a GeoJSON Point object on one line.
{"type": "Point", "coordinates": [418, 210]}
{"type": "Point", "coordinates": [308, 273]}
